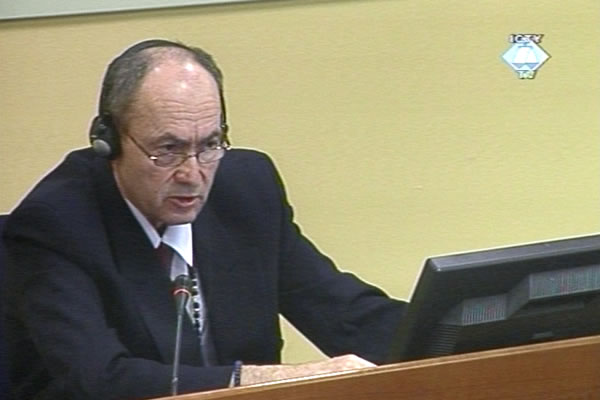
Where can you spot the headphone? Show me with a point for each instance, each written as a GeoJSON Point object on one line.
{"type": "Point", "coordinates": [103, 135]}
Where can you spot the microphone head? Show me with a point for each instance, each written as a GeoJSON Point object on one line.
{"type": "Point", "coordinates": [182, 291]}
{"type": "Point", "coordinates": [182, 282]}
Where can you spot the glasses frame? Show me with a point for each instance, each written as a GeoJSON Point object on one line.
{"type": "Point", "coordinates": [225, 145]}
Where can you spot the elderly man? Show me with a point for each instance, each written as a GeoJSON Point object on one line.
{"type": "Point", "coordinates": [95, 246]}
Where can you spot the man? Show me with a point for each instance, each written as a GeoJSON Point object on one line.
{"type": "Point", "coordinates": [89, 309]}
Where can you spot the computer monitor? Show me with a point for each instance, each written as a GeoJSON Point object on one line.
{"type": "Point", "coordinates": [502, 297]}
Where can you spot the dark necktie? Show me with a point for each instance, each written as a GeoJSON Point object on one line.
{"type": "Point", "coordinates": [164, 252]}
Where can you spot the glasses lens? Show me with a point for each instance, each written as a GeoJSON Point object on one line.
{"type": "Point", "coordinates": [169, 159]}
{"type": "Point", "coordinates": [210, 155]}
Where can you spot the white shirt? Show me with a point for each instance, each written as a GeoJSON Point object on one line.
{"type": "Point", "coordinates": [179, 237]}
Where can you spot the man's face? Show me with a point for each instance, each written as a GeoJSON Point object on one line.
{"type": "Point", "coordinates": [176, 109]}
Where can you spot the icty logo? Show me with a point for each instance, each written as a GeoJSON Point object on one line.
{"type": "Point", "coordinates": [525, 56]}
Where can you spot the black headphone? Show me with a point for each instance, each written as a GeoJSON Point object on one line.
{"type": "Point", "coordinates": [103, 135]}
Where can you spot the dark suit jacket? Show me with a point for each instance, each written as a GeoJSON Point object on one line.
{"type": "Point", "coordinates": [89, 311]}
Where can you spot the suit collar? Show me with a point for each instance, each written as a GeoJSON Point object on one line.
{"type": "Point", "coordinates": [178, 237]}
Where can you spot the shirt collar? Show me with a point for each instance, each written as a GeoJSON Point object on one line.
{"type": "Point", "coordinates": [179, 237]}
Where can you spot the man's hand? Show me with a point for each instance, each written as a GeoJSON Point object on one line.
{"type": "Point", "coordinates": [253, 374]}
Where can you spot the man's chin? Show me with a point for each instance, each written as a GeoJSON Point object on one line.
{"type": "Point", "coordinates": [179, 218]}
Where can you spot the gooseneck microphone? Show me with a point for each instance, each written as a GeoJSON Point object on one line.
{"type": "Point", "coordinates": [182, 293]}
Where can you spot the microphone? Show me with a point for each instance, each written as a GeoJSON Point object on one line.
{"type": "Point", "coordinates": [182, 293]}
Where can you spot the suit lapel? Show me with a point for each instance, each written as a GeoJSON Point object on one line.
{"type": "Point", "coordinates": [213, 260]}
{"type": "Point", "coordinates": [229, 268]}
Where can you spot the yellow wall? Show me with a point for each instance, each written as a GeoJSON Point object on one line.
{"type": "Point", "coordinates": [399, 130]}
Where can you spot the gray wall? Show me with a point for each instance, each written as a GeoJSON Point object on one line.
{"type": "Point", "coordinates": [13, 9]}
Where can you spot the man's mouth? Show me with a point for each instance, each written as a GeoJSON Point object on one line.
{"type": "Point", "coordinates": [184, 201]}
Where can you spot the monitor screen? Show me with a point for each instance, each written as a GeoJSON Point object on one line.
{"type": "Point", "coordinates": [502, 297]}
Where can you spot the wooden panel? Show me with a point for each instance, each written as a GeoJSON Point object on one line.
{"type": "Point", "coordinates": [563, 370]}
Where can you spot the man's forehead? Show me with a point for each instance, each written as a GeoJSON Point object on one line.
{"type": "Point", "coordinates": [185, 79]}
{"type": "Point", "coordinates": [179, 69]}
{"type": "Point", "coordinates": [185, 83]}
{"type": "Point", "coordinates": [197, 138]}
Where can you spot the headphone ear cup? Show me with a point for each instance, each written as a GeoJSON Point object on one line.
{"type": "Point", "coordinates": [103, 137]}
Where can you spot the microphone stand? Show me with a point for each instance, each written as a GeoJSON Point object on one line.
{"type": "Point", "coordinates": [182, 294]}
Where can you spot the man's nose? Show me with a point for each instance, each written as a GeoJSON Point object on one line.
{"type": "Point", "coordinates": [191, 169]}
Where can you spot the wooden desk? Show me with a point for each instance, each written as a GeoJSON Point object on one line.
{"type": "Point", "coordinates": [561, 370]}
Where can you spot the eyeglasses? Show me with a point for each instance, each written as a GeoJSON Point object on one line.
{"type": "Point", "coordinates": [175, 159]}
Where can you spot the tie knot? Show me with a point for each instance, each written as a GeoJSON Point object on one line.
{"type": "Point", "coordinates": [164, 253]}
